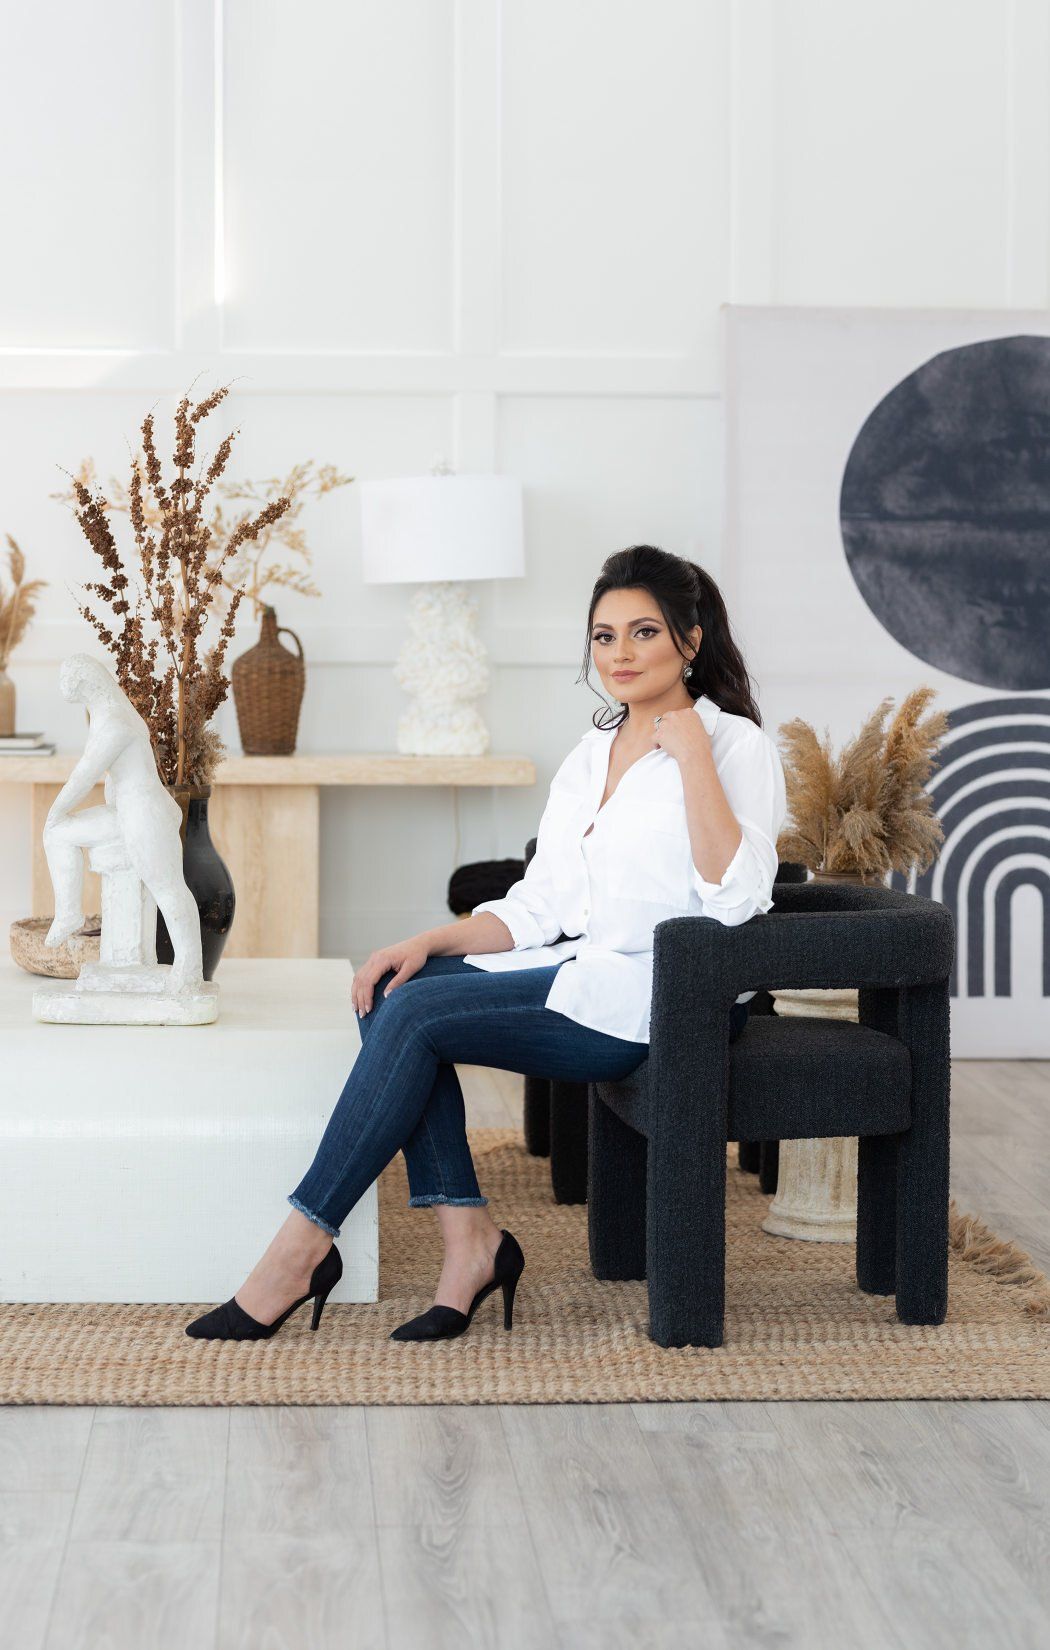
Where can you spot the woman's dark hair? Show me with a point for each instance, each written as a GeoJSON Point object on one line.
{"type": "Point", "coordinates": [686, 596]}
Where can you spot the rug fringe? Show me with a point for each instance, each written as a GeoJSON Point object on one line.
{"type": "Point", "coordinates": [975, 1243]}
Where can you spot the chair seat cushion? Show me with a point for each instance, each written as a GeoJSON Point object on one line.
{"type": "Point", "coordinates": [795, 1078]}
{"type": "Point", "coordinates": [803, 1077]}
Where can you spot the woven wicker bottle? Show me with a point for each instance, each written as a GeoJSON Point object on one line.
{"type": "Point", "coordinates": [268, 683]}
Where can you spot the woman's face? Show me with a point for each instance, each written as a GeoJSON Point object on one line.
{"type": "Point", "coordinates": [630, 635]}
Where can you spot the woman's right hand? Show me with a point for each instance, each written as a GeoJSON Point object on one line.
{"type": "Point", "coordinates": [406, 957]}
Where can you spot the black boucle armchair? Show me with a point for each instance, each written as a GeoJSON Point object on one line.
{"type": "Point", "coordinates": [657, 1141]}
{"type": "Point", "coordinates": [555, 1111]}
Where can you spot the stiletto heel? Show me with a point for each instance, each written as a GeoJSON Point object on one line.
{"type": "Point", "coordinates": [319, 1308]}
{"type": "Point", "coordinates": [442, 1321]}
{"type": "Point", "coordinates": [230, 1322]}
{"type": "Point", "coordinates": [508, 1301]}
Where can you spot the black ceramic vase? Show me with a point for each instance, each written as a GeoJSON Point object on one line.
{"type": "Point", "coordinates": [207, 878]}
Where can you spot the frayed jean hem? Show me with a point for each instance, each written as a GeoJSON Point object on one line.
{"type": "Point", "coordinates": [333, 1231]}
{"type": "Point", "coordinates": [425, 1199]}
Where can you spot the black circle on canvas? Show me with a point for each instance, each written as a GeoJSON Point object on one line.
{"type": "Point", "coordinates": [945, 512]}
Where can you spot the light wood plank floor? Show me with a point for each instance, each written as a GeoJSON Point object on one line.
{"type": "Point", "coordinates": [577, 1527]}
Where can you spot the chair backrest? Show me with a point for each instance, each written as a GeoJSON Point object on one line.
{"type": "Point", "coordinates": [793, 891]}
{"type": "Point", "coordinates": [794, 895]}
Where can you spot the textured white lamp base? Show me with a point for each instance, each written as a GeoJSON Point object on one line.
{"type": "Point", "coordinates": [444, 663]}
{"type": "Point", "coordinates": [816, 1197]}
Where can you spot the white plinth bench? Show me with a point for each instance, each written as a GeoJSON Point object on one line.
{"type": "Point", "coordinates": [153, 1163]}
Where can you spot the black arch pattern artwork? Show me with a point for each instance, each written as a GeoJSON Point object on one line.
{"type": "Point", "coordinates": [991, 792]}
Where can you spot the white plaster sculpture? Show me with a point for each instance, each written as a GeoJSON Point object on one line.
{"type": "Point", "coordinates": [133, 841]}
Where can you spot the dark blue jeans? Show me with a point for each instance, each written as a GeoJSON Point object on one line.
{"type": "Point", "coordinates": [403, 1093]}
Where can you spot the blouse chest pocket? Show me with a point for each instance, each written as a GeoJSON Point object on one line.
{"type": "Point", "coordinates": [561, 828]}
{"type": "Point", "coordinates": [651, 855]}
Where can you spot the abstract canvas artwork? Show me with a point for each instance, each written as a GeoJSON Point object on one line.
{"type": "Point", "coordinates": [889, 525]}
{"type": "Point", "coordinates": [945, 512]}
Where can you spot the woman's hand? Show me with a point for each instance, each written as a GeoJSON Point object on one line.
{"type": "Point", "coordinates": [682, 735]}
{"type": "Point", "coordinates": [407, 957]}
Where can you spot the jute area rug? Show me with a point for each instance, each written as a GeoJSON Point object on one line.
{"type": "Point", "coordinates": [796, 1324]}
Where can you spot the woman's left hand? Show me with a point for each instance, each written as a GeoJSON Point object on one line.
{"type": "Point", "coordinates": [682, 735]}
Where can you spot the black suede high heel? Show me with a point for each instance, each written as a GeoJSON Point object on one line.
{"type": "Point", "coordinates": [440, 1321]}
{"type": "Point", "coordinates": [230, 1322]}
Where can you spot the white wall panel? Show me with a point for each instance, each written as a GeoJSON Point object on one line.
{"type": "Point", "coordinates": [337, 174]}
{"type": "Point", "coordinates": [889, 152]}
{"type": "Point", "coordinates": [614, 197]}
{"type": "Point", "coordinates": [600, 475]}
{"type": "Point", "coordinates": [87, 203]}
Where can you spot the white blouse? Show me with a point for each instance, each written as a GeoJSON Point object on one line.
{"type": "Point", "coordinates": [635, 869]}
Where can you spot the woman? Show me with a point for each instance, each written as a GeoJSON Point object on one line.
{"type": "Point", "coordinates": [671, 808]}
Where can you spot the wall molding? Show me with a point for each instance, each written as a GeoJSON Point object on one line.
{"type": "Point", "coordinates": [358, 373]}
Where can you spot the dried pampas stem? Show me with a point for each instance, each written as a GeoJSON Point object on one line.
{"type": "Point", "coordinates": [866, 811]}
{"type": "Point", "coordinates": [18, 605]}
{"type": "Point", "coordinates": [179, 569]}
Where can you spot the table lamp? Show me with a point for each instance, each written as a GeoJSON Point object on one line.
{"type": "Point", "coordinates": [437, 531]}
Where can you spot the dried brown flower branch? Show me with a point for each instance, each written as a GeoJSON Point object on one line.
{"type": "Point", "coordinates": [253, 567]}
{"type": "Point", "coordinates": [18, 605]}
{"type": "Point", "coordinates": [867, 810]}
{"type": "Point", "coordinates": [180, 562]}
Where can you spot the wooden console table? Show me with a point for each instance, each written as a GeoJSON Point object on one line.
{"type": "Point", "coordinates": [264, 817]}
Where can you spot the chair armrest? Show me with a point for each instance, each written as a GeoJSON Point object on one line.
{"type": "Point", "coordinates": [896, 949]}
{"type": "Point", "coordinates": [889, 939]}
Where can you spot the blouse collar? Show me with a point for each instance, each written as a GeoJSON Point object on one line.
{"type": "Point", "coordinates": [705, 708]}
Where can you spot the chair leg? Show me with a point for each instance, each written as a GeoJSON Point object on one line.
{"type": "Point", "coordinates": [686, 1242]}
{"type": "Point", "coordinates": [616, 1190]}
{"type": "Point", "coordinates": [537, 1116]}
{"type": "Point", "coordinates": [568, 1141]}
{"type": "Point", "coordinates": [769, 1171]}
{"type": "Point", "coordinates": [877, 1214]}
{"type": "Point", "coordinates": [922, 1159]}
{"type": "Point", "coordinates": [749, 1156]}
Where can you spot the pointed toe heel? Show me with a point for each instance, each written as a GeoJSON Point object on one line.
{"type": "Point", "coordinates": [439, 1322]}
{"type": "Point", "coordinates": [230, 1322]}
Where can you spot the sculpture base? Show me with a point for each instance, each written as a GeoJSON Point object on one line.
{"type": "Point", "coordinates": [149, 1007]}
{"type": "Point", "coordinates": [137, 977]}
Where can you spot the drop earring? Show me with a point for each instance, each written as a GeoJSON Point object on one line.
{"type": "Point", "coordinates": [687, 672]}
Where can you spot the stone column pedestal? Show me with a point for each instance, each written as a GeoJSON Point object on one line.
{"type": "Point", "coordinates": [816, 1195]}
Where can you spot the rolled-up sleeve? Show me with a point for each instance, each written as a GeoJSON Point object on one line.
{"type": "Point", "coordinates": [752, 778]}
{"type": "Point", "coordinates": [525, 912]}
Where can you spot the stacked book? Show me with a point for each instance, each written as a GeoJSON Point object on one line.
{"type": "Point", "coordinates": [25, 744]}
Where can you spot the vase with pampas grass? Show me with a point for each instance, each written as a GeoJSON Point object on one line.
{"type": "Point", "coordinates": [851, 818]}
{"type": "Point", "coordinates": [17, 606]}
{"type": "Point", "coordinates": [157, 603]}
{"type": "Point", "coordinates": [858, 816]}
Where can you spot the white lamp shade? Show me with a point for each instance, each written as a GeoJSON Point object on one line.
{"type": "Point", "coordinates": [422, 528]}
